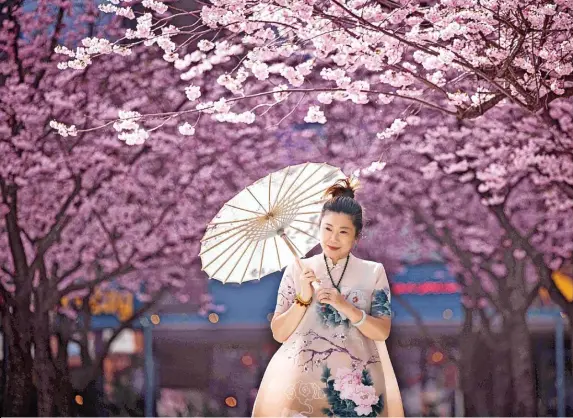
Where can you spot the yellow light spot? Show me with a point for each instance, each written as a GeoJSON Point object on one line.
{"type": "Point", "coordinates": [155, 319]}
{"type": "Point", "coordinates": [564, 283]}
{"type": "Point", "coordinates": [79, 399]}
{"type": "Point", "coordinates": [544, 295]}
{"type": "Point", "coordinates": [448, 314]}
{"type": "Point", "coordinates": [213, 318]}
{"type": "Point", "coordinates": [437, 357]}
{"type": "Point", "coordinates": [247, 360]}
{"type": "Point", "coordinates": [231, 402]}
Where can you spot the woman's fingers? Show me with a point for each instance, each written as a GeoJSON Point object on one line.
{"type": "Point", "coordinates": [323, 299]}
{"type": "Point", "coordinates": [324, 294]}
{"type": "Point", "coordinates": [308, 275]}
{"type": "Point", "coordinates": [328, 295]}
{"type": "Point", "coordinates": [308, 272]}
{"type": "Point", "coordinates": [327, 291]}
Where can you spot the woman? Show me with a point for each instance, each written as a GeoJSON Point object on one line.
{"type": "Point", "coordinates": [333, 360]}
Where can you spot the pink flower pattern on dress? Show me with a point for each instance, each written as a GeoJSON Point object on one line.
{"type": "Point", "coordinates": [364, 397]}
{"type": "Point", "coordinates": [363, 409]}
{"type": "Point", "coordinates": [345, 381]}
{"type": "Point", "coordinates": [350, 386]}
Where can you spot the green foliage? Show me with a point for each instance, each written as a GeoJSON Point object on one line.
{"type": "Point", "coordinates": [381, 303]}
{"type": "Point", "coordinates": [366, 378]}
{"type": "Point", "coordinates": [325, 374]}
{"type": "Point", "coordinates": [330, 317]}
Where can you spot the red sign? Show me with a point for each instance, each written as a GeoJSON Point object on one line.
{"type": "Point", "coordinates": [426, 288]}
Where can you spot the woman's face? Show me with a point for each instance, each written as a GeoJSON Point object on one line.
{"type": "Point", "coordinates": [337, 235]}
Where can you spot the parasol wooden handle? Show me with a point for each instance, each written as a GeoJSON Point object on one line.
{"type": "Point", "coordinates": [314, 284]}
{"type": "Point", "coordinates": [292, 249]}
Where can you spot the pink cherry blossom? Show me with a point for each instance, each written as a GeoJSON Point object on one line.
{"type": "Point", "coordinates": [315, 115]}
{"type": "Point", "coordinates": [423, 56]}
{"type": "Point", "coordinates": [193, 92]}
{"type": "Point", "coordinates": [186, 129]}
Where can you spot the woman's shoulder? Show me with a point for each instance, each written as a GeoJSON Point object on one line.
{"type": "Point", "coordinates": [313, 260]}
{"type": "Point", "coordinates": [360, 263]}
{"type": "Point", "coordinates": [368, 264]}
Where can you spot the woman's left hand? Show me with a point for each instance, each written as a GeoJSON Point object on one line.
{"type": "Point", "coordinates": [332, 297]}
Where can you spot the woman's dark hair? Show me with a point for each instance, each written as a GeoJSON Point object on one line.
{"type": "Point", "coordinates": [342, 201]}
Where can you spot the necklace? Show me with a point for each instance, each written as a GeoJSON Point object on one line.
{"type": "Point", "coordinates": [341, 276]}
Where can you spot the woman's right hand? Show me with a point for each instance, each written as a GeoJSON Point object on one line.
{"type": "Point", "coordinates": [305, 279]}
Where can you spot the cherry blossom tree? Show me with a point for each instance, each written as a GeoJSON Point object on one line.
{"type": "Point", "coordinates": [520, 165]}
{"type": "Point", "coordinates": [478, 193]}
{"type": "Point", "coordinates": [497, 202]}
{"type": "Point", "coordinates": [484, 193]}
{"type": "Point", "coordinates": [84, 212]}
{"type": "Point", "coordinates": [461, 57]}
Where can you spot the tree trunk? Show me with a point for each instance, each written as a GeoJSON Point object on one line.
{"type": "Point", "coordinates": [44, 370]}
{"type": "Point", "coordinates": [65, 391]}
{"type": "Point", "coordinates": [475, 380]}
{"type": "Point", "coordinates": [524, 394]}
{"type": "Point", "coordinates": [473, 388]}
{"type": "Point", "coordinates": [4, 364]}
{"type": "Point", "coordinates": [502, 384]}
{"type": "Point", "coordinates": [18, 393]}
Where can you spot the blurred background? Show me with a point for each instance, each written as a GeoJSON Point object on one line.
{"type": "Point", "coordinates": [105, 310]}
{"type": "Point", "coordinates": [176, 362]}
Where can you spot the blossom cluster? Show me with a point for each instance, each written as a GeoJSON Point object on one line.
{"type": "Point", "coordinates": [349, 383]}
{"type": "Point", "coordinates": [423, 55]}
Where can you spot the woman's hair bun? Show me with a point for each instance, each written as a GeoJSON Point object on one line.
{"type": "Point", "coordinates": [343, 188]}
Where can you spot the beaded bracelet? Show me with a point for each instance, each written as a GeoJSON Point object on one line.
{"type": "Point", "coordinates": [301, 302]}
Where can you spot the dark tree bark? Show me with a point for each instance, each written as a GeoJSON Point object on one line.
{"type": "Point", "coordinates": [18, 393]}
{"type": "Point", "coordinates": [524, 397]}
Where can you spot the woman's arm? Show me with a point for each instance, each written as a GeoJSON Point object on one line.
{"type": "Point", "coordinates": [288, 314]}
{"type": "Point", "coordinates": [377, 329]}
{"type": "Point", "coordinates": [286, 323]}
{"type": "Point", "coordinates": [376, 326]}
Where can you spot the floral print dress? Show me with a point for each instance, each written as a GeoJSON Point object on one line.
{"type": "Point", "coordinates": [327, 367]}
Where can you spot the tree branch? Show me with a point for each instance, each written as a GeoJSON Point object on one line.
{"type": "Point", "coordinates": [53, 43]}
{"type": "Point", "coordinates": [7, 296]}
{"type": "Point", "coordinates": [119, 271]}
{"type": "Point", "coordinates": [423, 328]}
{"type": "Point", "coordinates": [61, 220]}
{"type": "Point", "coordinates": [474, 111]}
{"type": "Point", "coordinates": [109, 234]}
{"type": "Point", "coordinates": [98, 364]}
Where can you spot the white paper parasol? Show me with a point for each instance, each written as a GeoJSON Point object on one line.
{"type": "Point", "coordinates": [268, 225]}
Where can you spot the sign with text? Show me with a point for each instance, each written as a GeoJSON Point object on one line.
{"type": "Point", "coordinates": [119, 303]}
